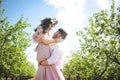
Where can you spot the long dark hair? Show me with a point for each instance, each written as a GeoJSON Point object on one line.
{"type": "Point", "coordinates": [45, 24]}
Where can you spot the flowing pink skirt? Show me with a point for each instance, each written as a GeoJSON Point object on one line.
{"type": "Point", "coordinates": [51, 72]}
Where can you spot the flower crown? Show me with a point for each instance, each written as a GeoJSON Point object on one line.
{"type": "Point", "coordinates": [54, 21]}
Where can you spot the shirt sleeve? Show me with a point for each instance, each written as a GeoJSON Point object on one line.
{"type": "Point", "coordinates": [38, 34]}
{"type": "Point", "coordinates": [55, 55]}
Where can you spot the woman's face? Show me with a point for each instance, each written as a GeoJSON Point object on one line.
{"type": "Point", "coordinates": [51, 26]}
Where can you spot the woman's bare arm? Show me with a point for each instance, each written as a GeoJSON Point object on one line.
{"type": "Point", "coordinates": [47, 41]}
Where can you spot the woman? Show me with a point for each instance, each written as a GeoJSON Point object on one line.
{"type": "Point", "coordinates": [43, 49]}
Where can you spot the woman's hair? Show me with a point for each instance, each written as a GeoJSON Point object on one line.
{"type": "Point", "coordinates": [45, 24]}
{"type": "Point", "coordinates": [63, 33]}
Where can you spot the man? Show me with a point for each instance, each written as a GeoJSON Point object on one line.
{"type": "Point", "coordinates": [57, 55]}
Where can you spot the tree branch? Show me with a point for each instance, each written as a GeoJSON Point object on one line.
{"type": "Point", "coordinates": [100, 75]}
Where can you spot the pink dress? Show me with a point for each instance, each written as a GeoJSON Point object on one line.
{"type": "Point", "coordinates": [51, 72]}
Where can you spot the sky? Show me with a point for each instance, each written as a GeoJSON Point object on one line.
{"type": "Point", "coordinates": [72, 16]}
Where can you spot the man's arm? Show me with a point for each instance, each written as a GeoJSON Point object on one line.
{"type": "Point", "coordinates": [53, 58]}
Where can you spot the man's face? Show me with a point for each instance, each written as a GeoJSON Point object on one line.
{"type": "Point", "coordinates": [56, 35]}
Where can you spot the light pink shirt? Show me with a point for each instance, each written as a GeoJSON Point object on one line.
{"type": "Point", "coordinates": [57, 56]}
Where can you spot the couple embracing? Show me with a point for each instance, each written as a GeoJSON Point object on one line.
{"type": "Point", "coordinates": [49, 53]}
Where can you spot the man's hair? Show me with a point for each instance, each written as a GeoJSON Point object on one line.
{"type": "Point", "coordinates": [63, 33]}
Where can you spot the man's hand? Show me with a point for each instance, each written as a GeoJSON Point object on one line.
{"type": "Point", "coordinates": [44, 63]}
